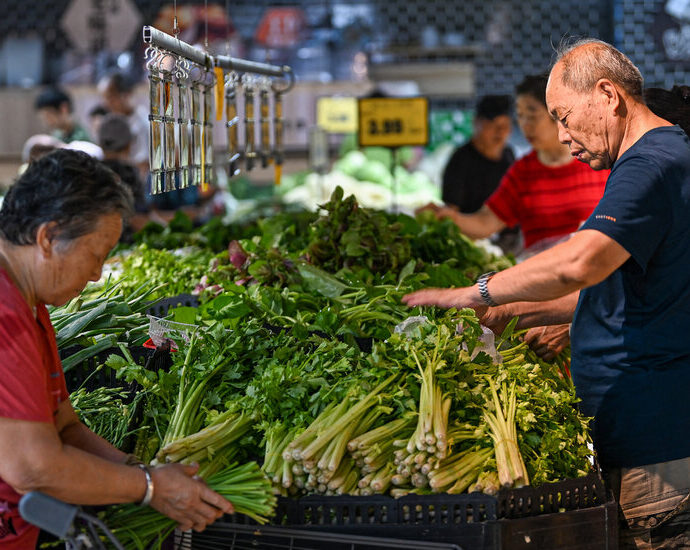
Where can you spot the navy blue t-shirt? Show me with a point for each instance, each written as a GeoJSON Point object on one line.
{"type": "Point", "coordinates": [631, 332]}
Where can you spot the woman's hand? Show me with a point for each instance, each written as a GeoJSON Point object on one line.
{"type": "Point", "coordinates": [181, 495]}
{"type": "Point", "coordinates": [429, 207]}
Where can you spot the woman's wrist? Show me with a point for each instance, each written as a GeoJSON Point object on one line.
{"type": "Point", "coordinates": [148, 495]}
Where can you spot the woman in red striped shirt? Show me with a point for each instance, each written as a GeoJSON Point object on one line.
{"type": "Point", "coordinates": [548, 193]}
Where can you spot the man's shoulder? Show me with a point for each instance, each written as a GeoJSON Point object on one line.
{"type": "Point", "coordinates": [660, 149]}
{"type": "Point", "coordinates": [671, 139]}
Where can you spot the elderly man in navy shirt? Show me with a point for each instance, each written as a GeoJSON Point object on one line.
{"type": "Point", "coordinates": [624, 281]}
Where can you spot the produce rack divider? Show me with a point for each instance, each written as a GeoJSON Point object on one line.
{"type": "Point", "coordinates": [346, 510]}
{"type": "Point", "coordinates": [228, 536]}
{"type": "Point", "coordinates": [569, 494]}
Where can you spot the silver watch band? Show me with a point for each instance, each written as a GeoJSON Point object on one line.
{"type": "Point", "coordinates": [482, 284]}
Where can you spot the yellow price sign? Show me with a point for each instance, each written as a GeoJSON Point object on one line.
{"type": "Point", "coordinates": [337, 115]}
{"type": "Point", "coordinates": [393, 122]}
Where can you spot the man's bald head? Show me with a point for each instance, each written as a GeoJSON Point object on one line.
{"type": "Point", "coordinates": [582, 64]}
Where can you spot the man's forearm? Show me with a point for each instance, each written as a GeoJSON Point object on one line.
{"type": "Point", "coordinates": [537, 314]}
{"type": "Point", "coordinates": [584, 260]}
{"type": "Point", "coordinates": [531, 314]}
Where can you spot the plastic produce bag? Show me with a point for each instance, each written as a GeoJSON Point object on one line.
{"type": "Point", "coordinates": [487, 344]}
{"type": "Point", "coordinates": [410, 326]}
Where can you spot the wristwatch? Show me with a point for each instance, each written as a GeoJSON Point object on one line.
{"type": "Point", "coordinates": [482, 283]}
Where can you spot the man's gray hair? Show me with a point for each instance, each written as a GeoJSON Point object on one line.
{"type": "Point", "coordinates": [595, 60]}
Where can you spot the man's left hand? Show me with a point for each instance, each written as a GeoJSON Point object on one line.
{"type": "Point", "coordinates": [547, 342]}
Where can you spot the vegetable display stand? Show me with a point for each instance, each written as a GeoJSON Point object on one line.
{"type": "Point", "coordinates": [573, 514]}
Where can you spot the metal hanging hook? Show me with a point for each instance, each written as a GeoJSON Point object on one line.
{"type": "Point", "coordinates": [166, 62]}
{"type": "Point", "coordinates": [196, 74]}
{"type": "Point", "coordinates": [151, 54]}
{"type": "Point", "coordinates": [213, 79]}
{"type": "Point", "coordinates": [178, 69]}
{"type": "Point", "coordinates": [287, 73]}
{"type": "Point", "coordinates": [232, 79]}
{"type": "Point", "coordinates": [248, 80]}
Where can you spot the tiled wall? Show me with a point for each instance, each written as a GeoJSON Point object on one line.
{"type": "Point", "coordinates": [513, 37]}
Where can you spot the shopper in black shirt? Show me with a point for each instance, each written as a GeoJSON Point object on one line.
{"type": "Point", "coordinates": [475, 169]}
{"type": "Point", "coordinates": [115, 138]}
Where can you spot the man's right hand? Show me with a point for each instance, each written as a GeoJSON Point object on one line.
{"type": "Point", "coordinates": [495, 318]}
{"type": "Point", "coordinates": [182, 496]}
{"type": "Point", "coordinates": [547, 342]}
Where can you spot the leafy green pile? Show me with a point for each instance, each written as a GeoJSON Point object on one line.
{"type": "Point", "coordinates": [305, 359]}
{"type": "Point", "coordinates": [110, 412]}
{"type": "Point", "coordinates": [174, 272]}
{"type": "Point", "coordinates": [284, 382]}
{"type": "Point", "coordinates": [350, 235]}
{"type": "Point", "coordinates": [360, 245]}
{"type": "Point", "coordinates": [180, 232]}
{"type": "Point", "coordinates": [87, 327]}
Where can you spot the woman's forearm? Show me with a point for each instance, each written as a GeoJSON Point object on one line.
{"type": "Point", "coordinates": [79, 436]}
{"type": "Point", "coordinates": [478, 225]}
{"type": "Point", "coordinates": [74, 433]}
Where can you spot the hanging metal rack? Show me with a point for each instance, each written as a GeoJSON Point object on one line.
{"type": "Point", "coordinates": [164, 41]}
{"type": "Point", "coordinates": [167, 42]}
{"type": "Point", "coordinates": [171, 62]}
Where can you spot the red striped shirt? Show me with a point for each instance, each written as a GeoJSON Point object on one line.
{"type": "Point", "coordinates": [32, 386]}
{"type": "Point", "coordinates": [547, 201]}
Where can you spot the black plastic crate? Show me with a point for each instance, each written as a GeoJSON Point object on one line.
{"type": "Point", "coordinates": [468, 521]}
{"type": "Point", "coordinates": [586, 529]}
{"type": "Point", "coordinates": [234, 536]}
{"type": "Point", "coordinates": [85, 374]}
{"type": "Point", "coordinates": [570, 494]}
{"type": "Point", "coordinates": [573, 514]}
{"type": "Point", "coordinates": [160, 307]}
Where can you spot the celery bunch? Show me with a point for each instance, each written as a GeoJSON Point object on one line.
{"type": "Point", "coordinates": [501, 422]}
{"type": "Point", "coordinates": [316, 459]}
{"type": "Point", "coordinates": [373, 453]}
{"type": "Point", "coordinates": [145, 528]}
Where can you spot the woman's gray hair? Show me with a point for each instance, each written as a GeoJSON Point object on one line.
{"type": "Point", "coordinates": [67, 187]}
{"type": "Point", "coordinates": [594, 60]}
